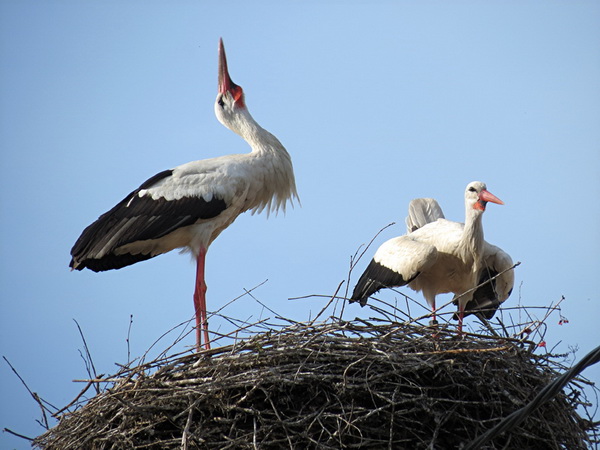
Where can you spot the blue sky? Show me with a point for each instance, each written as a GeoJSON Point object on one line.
{"type": "Point", "coordinates": [378, 103]}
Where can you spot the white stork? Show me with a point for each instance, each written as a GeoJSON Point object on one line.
{"type": "Point", "coordinates": [438, 256]}
{"type": "Point", "coordinates": [190, 205]}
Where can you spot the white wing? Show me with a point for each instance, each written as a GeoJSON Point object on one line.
{"type": "Point", "coordinates": [223, 177]}
{"type": "Point", "coordinates": [422, 211]}
{"type": "Point", "coordinates": [396, 263]}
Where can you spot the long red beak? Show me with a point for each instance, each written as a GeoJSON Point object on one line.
{"type": "Point", "coordinates": [225, 83]}
{"type": "Point", "coordinates": [224, 78]}
{"type": "Point", "coordinates": [489, 197]}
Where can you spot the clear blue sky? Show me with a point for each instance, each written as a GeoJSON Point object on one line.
{"type": "Point", "coordinates": [378, 103]}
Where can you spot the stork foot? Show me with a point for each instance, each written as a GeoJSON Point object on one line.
{"type": "Point", "coordinates": [460, 334]}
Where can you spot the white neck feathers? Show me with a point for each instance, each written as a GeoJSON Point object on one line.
{"type": "Point", "coordinates": [473, 236]}
{"type": "Point", "coordinates": [270, 158]}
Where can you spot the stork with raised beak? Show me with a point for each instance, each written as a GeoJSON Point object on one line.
{"type": "Point", "coordinates": [190, 205]}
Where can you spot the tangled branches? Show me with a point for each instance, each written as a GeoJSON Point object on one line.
{"type": "Point", "coordinates": [337, 384]}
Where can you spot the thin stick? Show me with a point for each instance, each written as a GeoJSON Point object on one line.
{"type": "Point", "coordinates": [83, 391]}
{"type": "Point", "coordinates": [489, 280]}
{"type": "Point", "coordinates": [249, 292]}
{"type": "Point", "coordinates": [22, 436]}
{"type": "Point", "coordinates": [333, 297]}
{"type": "Point", "coordinates": [246, 292]}
{"type": "Point", "coordinates": [33, 394]}
{"type": "Point", "coordinates": [128, 340]}
{"type": "Point", "coordinates": [354, 260]}
{"type": "Point", "coordinates": [186, 430]}
{"type": "Point", "coordinates": [88, 357]}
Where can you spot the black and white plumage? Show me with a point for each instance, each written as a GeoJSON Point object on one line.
{"type": "Point", "coordinates": [495, 263]}
{"type": "Point", "coordinates": [190, 205]}
{"type": "Point", "coordinates": [439, 256]}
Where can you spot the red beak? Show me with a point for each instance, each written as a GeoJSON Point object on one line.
{"type": "Point", "coordinates": [225, 83]}
{"type": "Point", "coordinates": [224, 79]}
{"type": "Point", "coordinates": [489, 197]}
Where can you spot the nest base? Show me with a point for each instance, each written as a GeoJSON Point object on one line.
{"type": "Point", "coordinates": [333, 385]}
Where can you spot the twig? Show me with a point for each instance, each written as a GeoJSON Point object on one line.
{"type": "Point", "coordinates": [128, 338]}
{"type": "Point", "coordinates": [333, 297]}
{"type": "Point", "coordinates": [249, 292]}
{"type": "Point", "coordinates": [489, 280]}
{"type": "Point", "coordinates": [77, 397]}
{"type": "Point", "coordinates": [354, 260]}
{"type": "Point", "coordinates": [35, 396]}
{"type": "Point", "coordinates": [89, 363]}
{"type": "Point", "coordinates": [22, 436]}
{"type": "Point", "coordinates": [246, 292]}
{"type": "Point", "coordinates": [186, 430]}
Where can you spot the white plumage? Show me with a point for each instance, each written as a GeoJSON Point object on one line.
{"type": "Point", "coordinates": [422, 211]}
{"type": "Point", "coordinates": [439, 256]}
{"type": "Point", "coordinates": [190, 205]}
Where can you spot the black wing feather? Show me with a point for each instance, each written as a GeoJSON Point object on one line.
{"type": "Point", "coordinates": [111, 261]}
{"type": "Point", "coordinates": [485, 299]}
{"type": "Point", "coordinates": [374, 278]}
{"type": "Point", "coordinates": [137, 219]}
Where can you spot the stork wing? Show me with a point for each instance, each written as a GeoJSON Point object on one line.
{"type": "Point", "coordinates": [422, 211]}
{"type": "Point", "coordinates": [396, 263]}
{"type": "Point", "coordinates": [488, 298]}
{"type": "Point", "coordinates": [138, 217]}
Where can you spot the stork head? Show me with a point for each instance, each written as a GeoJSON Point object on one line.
{"type": "Point", "coordinates": [230, 98]}
{"type": "Point", "coordinates": [477, 196]}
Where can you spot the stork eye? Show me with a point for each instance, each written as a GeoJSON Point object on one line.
{"type": "Point", "coordinates": [472, 189]}
{"type": "Point", "coordinates": [221, 102]}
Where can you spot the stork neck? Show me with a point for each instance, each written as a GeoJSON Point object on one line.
{"type": "Point", "coordinates": [257, 137]}
{"type": "Point", "coordinates": [270, 158]}
{"type": "Point", "coordinates": [473, 234]}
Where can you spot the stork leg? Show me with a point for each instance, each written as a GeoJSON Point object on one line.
{"type": "Point", "coordinates": [431, 302]}
{"type": "Point", "coordinates": [461, 315]}
{"type": "Point", "coordinates": [200, 302]}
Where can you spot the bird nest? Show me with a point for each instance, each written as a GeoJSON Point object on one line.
{"type": "Point", "coordinates": [333, 384]}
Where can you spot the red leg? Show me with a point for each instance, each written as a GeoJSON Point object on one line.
{"type": "Point", "coordinates": [433, 322]}
{"type": "Point", "coordinates": [461, 314]}
{"type": "Point", "coordinates": [200, 302]}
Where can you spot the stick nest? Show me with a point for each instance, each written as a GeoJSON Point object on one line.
{"type": "Point", "coordinates": [334, 385]}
